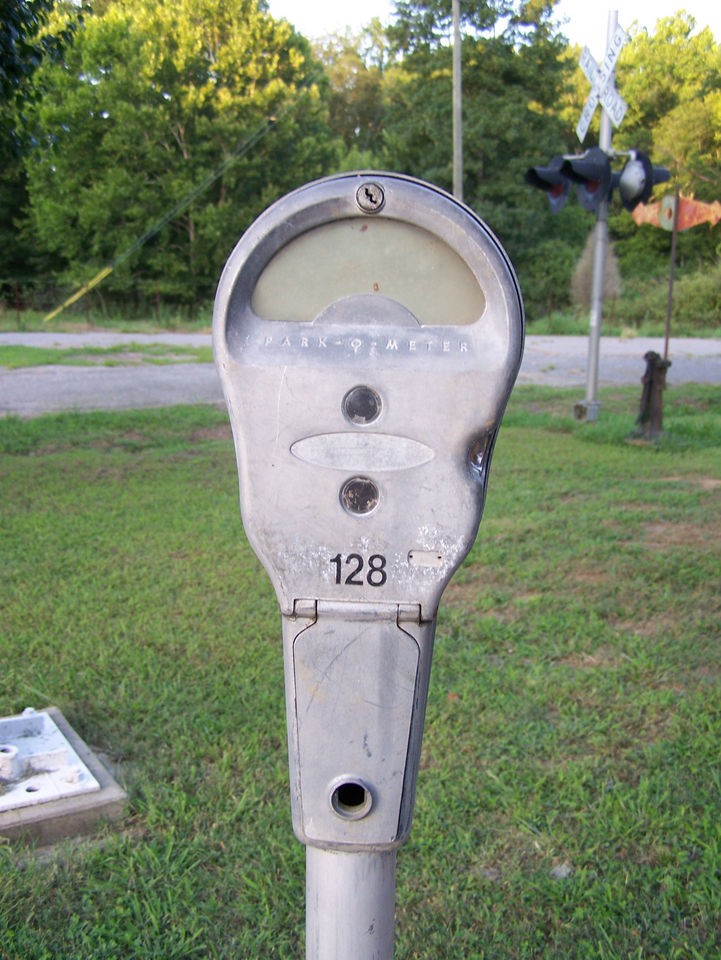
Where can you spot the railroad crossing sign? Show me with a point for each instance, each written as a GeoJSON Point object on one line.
{"type": "Point", "coordinates": [603, 90]}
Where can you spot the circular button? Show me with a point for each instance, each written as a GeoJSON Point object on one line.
{"type": "Point", "coordinates": [362, 405]}
{"type": "Point", "coordinates": [359, 495]}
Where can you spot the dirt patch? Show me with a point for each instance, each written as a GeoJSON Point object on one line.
{"type": "Point", "coordinates": [661, 536]}
{"type": "Point", "coordinates": [220, 432]}
{"type": "Point", "coordinates": [588, 661]}
{"type": "Point", "coordinates": [705, 483]}
{"type": "Point", "coordinates": [709, 483]}
{"type": "Point", "coordinates": [462, 594]}
{"type": "Point", "coordinates": [652, 626]}
{"type": "Point", "coordinates": [588, 576]}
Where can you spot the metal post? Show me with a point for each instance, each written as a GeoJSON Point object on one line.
{"type": "Point", "coordinates": [594, 339]}
{"type": "Point", "coordinates": [672, 271]}
{"type": "Point", "coordinates": [350, 904]}
{"type": "Point", "coordinates": [457, 103]}
{"type": "Point", "coordinates": [589, 411]}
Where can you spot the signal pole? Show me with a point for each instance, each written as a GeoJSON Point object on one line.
{"type": "Point", "coordinates": [588, 410]}
{"type": "Point", "coordinates": [591, 172]}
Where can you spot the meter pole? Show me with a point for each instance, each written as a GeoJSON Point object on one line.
{"type": "Point", "coordinates": [359, 561]}
{"type": "Point", "coordinates": [350, 904]}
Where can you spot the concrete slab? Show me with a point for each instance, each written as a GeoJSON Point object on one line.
{"type": "Point", "coordinates": [53, 785]}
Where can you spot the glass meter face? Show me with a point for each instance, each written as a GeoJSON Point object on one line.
{"type": "Point", "coordinates": [398, 260]}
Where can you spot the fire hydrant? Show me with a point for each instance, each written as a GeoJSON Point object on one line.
{"type": "Point", "coordinates": [650, 415]}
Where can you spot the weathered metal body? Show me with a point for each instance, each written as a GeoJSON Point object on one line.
{"type": "Point", "coordinates": [368, 330]}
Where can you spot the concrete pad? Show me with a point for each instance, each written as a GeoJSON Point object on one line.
{"type": "Point", "coordinates": [54, 786]}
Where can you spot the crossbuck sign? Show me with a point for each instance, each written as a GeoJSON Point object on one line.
{"type": "Point", "coordinates": [603, 90]}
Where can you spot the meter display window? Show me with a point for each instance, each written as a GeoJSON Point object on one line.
{"type": "Point", "coordinates": [365, 256]}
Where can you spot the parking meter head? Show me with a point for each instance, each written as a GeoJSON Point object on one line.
{"type": "Point", "coordinates": [366, 354]}
{"type": "Point", "coordinates": [368, 330]}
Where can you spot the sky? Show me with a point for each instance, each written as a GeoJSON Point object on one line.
{"type": "Point", "coordinates": [587, 24]}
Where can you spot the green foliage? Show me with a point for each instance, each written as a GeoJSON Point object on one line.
{"type": "Point", "coordinates": [28, 39]}
{"type": "Point", "coordinates": [512, 81]}
{"type": "Point", "coordinates": [642, 252]}
{"type": "Point", "coordinates": [355, 67]}
{"type": "Point", "coordinates": [164, 130]}
{"type": "Point", "coordinates": [545, 277]}
{"type": "Point", "coordinates": [153, 101]}
{"type": "Point", "coordinates": [25, 43]}
{"type": "Point", "coordinates": [671, 81]}
{"type": "Point", "coordinates": [696, 301]}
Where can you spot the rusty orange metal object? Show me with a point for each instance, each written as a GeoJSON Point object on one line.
{"type": "Point", "coordinates": [690, 213]}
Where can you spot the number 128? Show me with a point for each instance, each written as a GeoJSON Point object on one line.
{"type": "Point", "coordinates": [374, 575]}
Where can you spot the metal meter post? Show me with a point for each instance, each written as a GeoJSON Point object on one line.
{"type": "Point", "coordinates": [368, 329]}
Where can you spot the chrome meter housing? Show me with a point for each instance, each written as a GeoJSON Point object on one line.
{"type": "Point", "coordinates": [368, 329]}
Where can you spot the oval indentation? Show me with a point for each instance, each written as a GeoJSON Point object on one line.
{"type": "Point", "coordinates": [366, 451]}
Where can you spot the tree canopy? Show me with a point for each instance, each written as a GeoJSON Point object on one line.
{"type": "Point", "coordinates": [156, 131]}
{"type": "Point", "coordinates": [152, 100]}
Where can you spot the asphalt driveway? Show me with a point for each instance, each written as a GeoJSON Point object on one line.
{"type": "Point", "coordinates": [551, 361]}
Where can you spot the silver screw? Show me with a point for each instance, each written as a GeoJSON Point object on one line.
{"type": "Point", "coordinates": [370, 197]}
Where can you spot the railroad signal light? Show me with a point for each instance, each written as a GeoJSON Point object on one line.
{"type": "Point", "coordinates": [638, 178]}
{"type": "Point", "coordinates": [594, 180]}
{"type": "Point", "coordinates": [591, 172]}
{"type": "Point", "coordinates": [550, 179]}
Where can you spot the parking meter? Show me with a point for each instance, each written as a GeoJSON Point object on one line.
{"type": "Point", "coordinates": [368, 329]}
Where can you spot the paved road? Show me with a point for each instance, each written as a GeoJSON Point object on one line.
{"type": "Point", "coordinates": [553, 361]}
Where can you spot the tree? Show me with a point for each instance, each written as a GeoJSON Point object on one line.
{"type": "Point", "coordinates": [671, 80]}
{"type": "Point", "coordinates": [27, 40]}
{"type": "Point", "coordinates": [514, 77]}
{"type": "Point", "coordinates": [25, 43]}
{"type": "Point", "coordinates": [155, 101]}
{"type": "Point", "coordinates": [355, 66]}
{"type": "Point", "coordinates": [582, 282]}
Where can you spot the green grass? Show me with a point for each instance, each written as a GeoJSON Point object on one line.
{"type": "Point", "coordinates": [81, 318]}
{"type": "Point", "coordinates": [14, 356]}
{"type": "Point", "coordinates": [574, 716]}
{"type": "Point", "coordinates": [575, 322]}
{"type": "Point", "coordinates": [570, 321]}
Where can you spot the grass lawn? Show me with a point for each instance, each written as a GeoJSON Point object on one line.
{"type": "Point", "coordinates": [569, 801]}
{"type": "Point", "coordinates": [15, 356]}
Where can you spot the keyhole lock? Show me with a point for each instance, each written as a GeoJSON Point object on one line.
{"type": "Point", "coordinates": [370, 197]}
